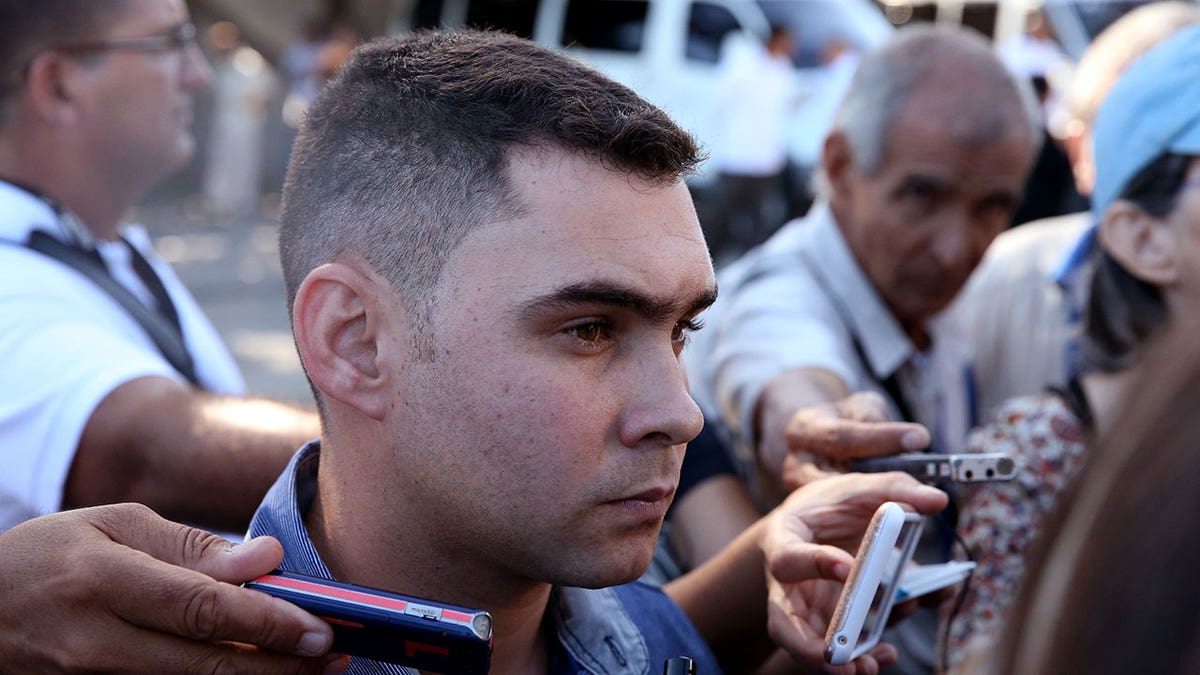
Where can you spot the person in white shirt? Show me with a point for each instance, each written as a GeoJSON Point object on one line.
{"type": "Point", "coordinates": [117, 388]}
{"type": "Point", "coordinates": [755, 94]}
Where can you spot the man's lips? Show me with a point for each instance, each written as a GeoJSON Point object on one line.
{"type": "Point", "coordinates": [646, 505]}
{"type": "Point", "coordinates": [654, 494]}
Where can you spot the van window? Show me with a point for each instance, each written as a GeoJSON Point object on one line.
{"type": "Point", "coordinates": [511, 16]}
{"type": "Point", "coordinates": [816, 25]}
{"type": "Point", "coordinates": [708, 24]}
{"type": "Point", "coordinates": [616, 25]}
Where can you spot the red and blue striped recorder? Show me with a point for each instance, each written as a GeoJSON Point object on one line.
{"type": "Point", "coordinates": [390, 627]}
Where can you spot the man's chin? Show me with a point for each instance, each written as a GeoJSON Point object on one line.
{"type": "Point", "coordinates": [611, 569]}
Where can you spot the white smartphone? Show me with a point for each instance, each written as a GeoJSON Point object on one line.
{"type": "Point", "coordinates": [882, 575]}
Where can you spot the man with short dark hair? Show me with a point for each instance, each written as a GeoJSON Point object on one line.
{"type": "Point", "coordinates": [494, 264]}
{"type": "Point", "coordinates": [117, 388]}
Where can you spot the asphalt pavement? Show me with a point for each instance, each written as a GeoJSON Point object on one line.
{"type": "Point", "coordinates": [232, 267]}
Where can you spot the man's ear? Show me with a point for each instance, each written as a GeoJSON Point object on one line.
{"type": "Point", "coordinates": [337, 324]}
{"type": "Point", "coordinates": [1077, 143]}
{"type": "Point", "coordinates": [48, 87]}
{"type": "Point", "coordinates": [837, 161]}
{"type": "Point", "coordinates": [1143, 244]}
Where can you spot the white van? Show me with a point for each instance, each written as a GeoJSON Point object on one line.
{"type": "Point", "coordinates": [668, 50]}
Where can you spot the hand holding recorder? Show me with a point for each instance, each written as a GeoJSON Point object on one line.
{"type": "Point", "coordinates": [824, 436]}
{"type": "Point", "coordinates": [118, 589]}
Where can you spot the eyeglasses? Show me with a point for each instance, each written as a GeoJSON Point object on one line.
{"type": "Point", "coordinates": [174, 38]}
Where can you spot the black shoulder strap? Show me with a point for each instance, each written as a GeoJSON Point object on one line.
{"type": "Point", "coordinates": [168, 339]}
{"type": "Point", "coordinates": [890, 384]}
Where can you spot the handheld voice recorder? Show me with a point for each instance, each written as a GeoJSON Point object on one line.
{"type": "Point", "coordinates": [390, 627]}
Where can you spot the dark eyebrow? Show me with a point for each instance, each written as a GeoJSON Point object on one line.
{"type": "Point", "coordinates": [607, 293]}
{"type": "Point", "coordinates": [928, 181]}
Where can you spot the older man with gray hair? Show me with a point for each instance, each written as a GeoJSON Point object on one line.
{"type": "Point", "coordinates": [922, 169]}
{"type": "Point", "coordinates": [832, 317]}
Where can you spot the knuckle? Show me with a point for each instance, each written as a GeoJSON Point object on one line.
{"type": "Point", "coordinates": [116, 518]}
{"type": "Point", "coordinates": [274, 632]}
{"type": "Point", "coordinates": [202, 612]}
{"type": "Point", "coordinates": [196, 542]}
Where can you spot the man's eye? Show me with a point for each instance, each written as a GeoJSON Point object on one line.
{"type": "Point", "coordinates": [684, 328]}
{"type": "Point", "coordinates": [588, 332]}
{"type": "Point", "coordinates": [918, 191]}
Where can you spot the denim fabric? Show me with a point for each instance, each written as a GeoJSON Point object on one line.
{"type": "Point", "coordinates": [627, 630]}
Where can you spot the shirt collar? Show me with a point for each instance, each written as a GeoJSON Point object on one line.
{"type": "Point", "coordinates": [886, 345]}
{"type": "Point", "coordinates": [25, 211]}
{"type": "Point", "coordinates": [1064, 273]}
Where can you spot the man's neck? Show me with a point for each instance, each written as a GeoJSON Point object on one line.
{"type": "Point", "coordinates": [1106, 393]}
{"type": "Point", "coordinates": [98, 204]}
{"type": "Point", "coordinates": [918, 334]}
{"type": "Point", "coordinates": [401, 563]}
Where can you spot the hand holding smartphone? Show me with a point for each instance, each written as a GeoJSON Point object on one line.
{"type": "Point", "coordinates": [881, 576]}
{"type": "Point", "coordinates": [390, 627]}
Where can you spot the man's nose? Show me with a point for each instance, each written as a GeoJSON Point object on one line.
{"type": "Point", "coordinates": [958, 246]}
{"type": "Point", "coordinates": [197, 73]}
{"type": "Point", "coordinates": [661, 411]}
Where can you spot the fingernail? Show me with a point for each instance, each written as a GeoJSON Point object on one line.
{"type": "Point", "coordinates": [914, 440]}
{"type": "Point", "coordinates": [842, 570]}
{"type": "Point", "coordinates": [312, 644]}
{"type": "Point", "coordinates": [337, 666]}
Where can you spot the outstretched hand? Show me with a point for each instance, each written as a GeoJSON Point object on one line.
{"type": "Point", "coordinates": [822, 438]}
{"type": "Point", "coordinates": [119, 589]}
{"type": "Point", "coordinates": [806, 549]}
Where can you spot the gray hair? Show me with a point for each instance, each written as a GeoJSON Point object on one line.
{"type": "Point", "coordinates": [888, 76]}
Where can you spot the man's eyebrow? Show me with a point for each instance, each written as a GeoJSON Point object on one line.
{"type": "Point", "coordinates": [608, 293]}
{"type": "Point", "coordinates": [927, 180]}
{"type": "Point", "coordinates": [1002, 199]}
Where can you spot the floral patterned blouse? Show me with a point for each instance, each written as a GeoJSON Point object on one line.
{"type": "Point", "coordinates": [999, 521]}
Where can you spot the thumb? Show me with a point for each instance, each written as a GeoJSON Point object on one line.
{"type": "Point", "coordinates": [804, 562]}
{"type": "Point", "coordinates": [235, 563]}
{"type": "Point", "coordinates": [141, 529]}
{"type": "Point", "coordinates": [162, 579]}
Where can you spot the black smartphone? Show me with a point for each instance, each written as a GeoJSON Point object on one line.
{"type": "Point", "coordinates": [390, 627]}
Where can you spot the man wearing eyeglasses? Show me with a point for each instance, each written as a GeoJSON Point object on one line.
{"type": "Point", "coordinates": [116, 386]}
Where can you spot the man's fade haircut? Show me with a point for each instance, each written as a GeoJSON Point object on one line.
{"type": "Point", "coordinates": [888, 76]}
{"type": "Point", "coordinates": [27, 27]}
{"type": "Point", "coordinates": [405, 151]}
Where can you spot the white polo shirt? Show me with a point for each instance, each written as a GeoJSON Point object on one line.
{"type": "Point", "coordinates": [67, 344]}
